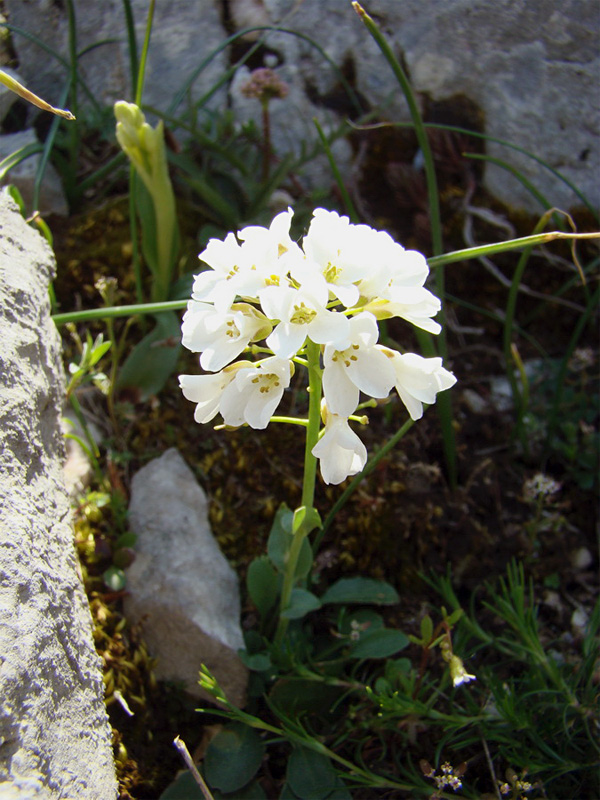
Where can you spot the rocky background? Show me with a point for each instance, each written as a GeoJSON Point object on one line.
{"type": "Point", "coordinates": [530, 68]}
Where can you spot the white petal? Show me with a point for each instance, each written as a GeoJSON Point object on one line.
{"type": "Point", "coordinates": [206, 391]}
{"type": "Point", "coordinates": [341, 395]}
{"type": "Point", "coordinates": [372, 372]}
{"type": "Point", "coordinates": [286, 340]}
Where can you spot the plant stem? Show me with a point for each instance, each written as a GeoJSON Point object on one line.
{"type": "Point", "coordinates": [313, 354]}
{"type": "Point", "coordinates": [266, 123]}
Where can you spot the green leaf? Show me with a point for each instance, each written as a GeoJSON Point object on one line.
{"type": "Point", "coordinates": [257, 662]}
{"type": "Point", "coordinates": [301, 603]}
{"type": "Point", "coordinates": [426, 629]}
{"type": "Point", "coordinates": [296, 697]}
{"type": "Point", "coordinates": [455, 616]}
{"type": "Point", "coordinates": [280, 536]}
{"type": "Point", "coordinates": [361, 590]}
{"type": "Point", "coordinates": [310, 775]}
{"type": "Point", "coordinates": [287, 794]}
{"type": "Point", "coordinates": [340, 792]}
{"type": "Point", "coordinates": [127, 539]}
{"type": "Point", "coordinates": [153, 360]}
{"type": "Point", "coordinates": [115, 579]}
{"type": "Point", "coordinates": [253, 791]}
{"type": "Point", "coordinates": [263, 583]}
{"type": "Point", "coordinates": [184, 787]}
{"type": "Point", "coordinates": [305, 560]}
{"type": "Point", "coordinates": [280, 541]}
{"type": "Point", "coordinates": [306, 518]}
{"type": "Point", "coordinates": [397, 668]}
{"type": "Point", "coordinates": [381, 643]}
{"type": "Point", "coordinates": [233, 757]}
{"type": "Point", "coordinates": [361, 620]}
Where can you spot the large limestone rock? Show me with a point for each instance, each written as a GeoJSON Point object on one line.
{"type": "Point", "coordinates": [180, 586]}
{"type": "Point", "coordinates": [55, 740]}
{"type": "Point", "coordinates": [531, 67]}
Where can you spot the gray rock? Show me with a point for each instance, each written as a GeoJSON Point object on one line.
{"type": "Point", "coordinates": [532, 68]}
{"type": "Point", "coordinates": [23, 175]}
{"type": "Point", "coordinates": [180, 585]}
{"type": "Point", "coordinates": [56, 740]}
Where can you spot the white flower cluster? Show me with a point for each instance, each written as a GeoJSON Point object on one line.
{"type": "Point", "coordinates": [263, 286]}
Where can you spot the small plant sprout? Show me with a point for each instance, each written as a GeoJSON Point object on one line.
{"type": "Point", "coordinates": [145, 147]}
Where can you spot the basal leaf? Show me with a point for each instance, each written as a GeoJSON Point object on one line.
{"type": "Point", "coordinates": [361, 590]}
{"type": "Point", "coordinates": [153, 360]}
{"type": "Point", "coordinates": [233, 757]}
{"type": "Point", "coordinates": [310, 775]}
{"type": "Point", "coordinates": [263, 582]}
{"type": "Point", "coordinates": [381, 643]}
{"type": "Point", "coordinates": [301, 603]}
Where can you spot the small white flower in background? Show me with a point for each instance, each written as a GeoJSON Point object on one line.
{"type": "Point", "coordinates": [261, 285]}
{"type": "Point", "coordinates": [340, 452]}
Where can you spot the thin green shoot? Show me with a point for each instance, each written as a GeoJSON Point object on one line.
{"type": "Point", "coordinates": [347, 200]}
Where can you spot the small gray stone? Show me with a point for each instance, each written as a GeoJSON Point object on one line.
{"type": "Point", "coordinates": [180, 585]}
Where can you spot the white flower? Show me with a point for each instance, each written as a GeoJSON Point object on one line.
{"type": "Point", "coordinates": [270, 251]}
{"type": "Point", "coordinates": [360, 365]}
{"type": "Point", "coordinates": [418, 379]}
{"type": "Point", "coordinates": [301, 313]}
{"type": "Point", "coordinates": [254, 393]}
{"type": "Point", "coordinates": [340, 452]}
{"type": "Point", "coordinates": [330, 253]}
{"type": "Point", "coordinates": [240, 270]}
{"type": "Point", "coordinates": [219, 285]}
{"type": "Point", "coordinates": [220, 336]}
{"type": "Point", "coordinates": [206, 391]}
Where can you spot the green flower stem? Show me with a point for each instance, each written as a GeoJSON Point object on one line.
{"type": "Point", "coordinates": [118, 311]}
{"type": "Point", "coordinates": [299, 531]}
{"type": "Point", "coordinates": [502, 247]}
{"type": "Point", "coordinates": [313, 354]}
